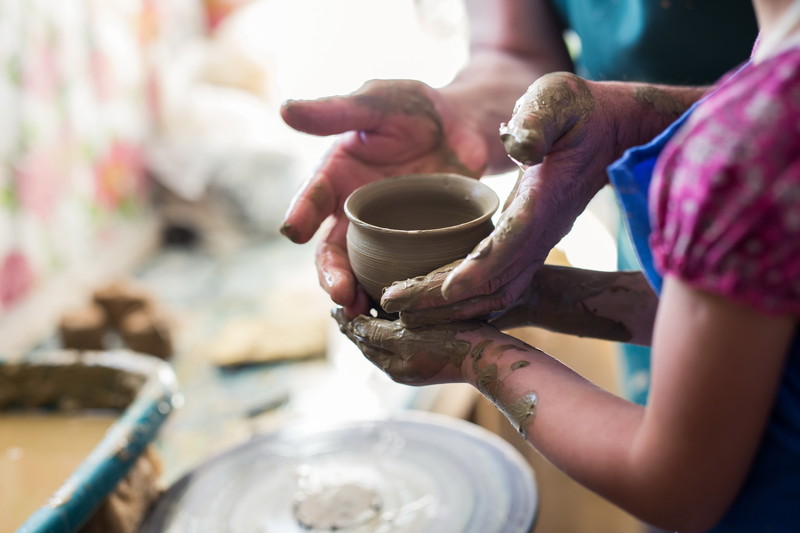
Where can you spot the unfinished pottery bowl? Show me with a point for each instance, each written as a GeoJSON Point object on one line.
{"type": "Point", "coordinates": [407, 226]}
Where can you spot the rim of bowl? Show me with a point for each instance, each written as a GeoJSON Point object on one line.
{"type": "Point", "coordinates": [457, 177]}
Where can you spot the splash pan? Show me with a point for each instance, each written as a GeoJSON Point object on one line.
{"type": "Point", "coordinates": [419, 473]}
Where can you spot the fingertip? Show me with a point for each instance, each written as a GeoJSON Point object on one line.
{"type": "Point", "coordinates": [288, 107]}
{"type": "Point", "coordinates": [339, 289]}
{"type": "Point", "coordinates": [306, 213]}
{"type": "Point", "coordinates": [389, 300]}
{"type": "Point", "coordinates": [410, 320]}
{"type": "Point", "coordinates": [345, 292]}
{"type": "Point", "coordinates": [363, 302]}
{"type": "Point", "coordinates": [361, 305]}
{"type": "Point", "coordinates": [297, 227]}
{"type": "Point", "coordinates": [449, 288]}
{"type": "Point", "coordinates": [291, 232]}
{"type": "Point", "coordinates": [455, 285]}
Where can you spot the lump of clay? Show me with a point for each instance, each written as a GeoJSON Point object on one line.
{"type": "Point", "coordinates": [83, 328]}
{"type": "Point", "coordinates": [147, 331]}
{"type": "Point", "coordinates": [120, 298]}
{"type": "Point", "coordinates": [124, 509]}
{"type": "Point", "coordinates": [337, 507]}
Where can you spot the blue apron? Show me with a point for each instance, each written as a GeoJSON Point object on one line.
{"type": "Point", "coordinates": [770, 498]}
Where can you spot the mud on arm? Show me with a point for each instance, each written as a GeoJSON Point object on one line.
{"type": "Point", "coordinates": [615, 306]}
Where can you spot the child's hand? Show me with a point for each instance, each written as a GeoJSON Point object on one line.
{"type": "Point", "coordinates": [422, 356]}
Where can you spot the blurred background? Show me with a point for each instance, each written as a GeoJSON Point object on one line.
{"type": "Point", "coordinates": [141, 140]}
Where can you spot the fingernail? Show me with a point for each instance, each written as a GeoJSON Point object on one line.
{"type": "Point", "coordinates": [387, 299]}
{"type": "Point", "coordinates": [287, 230]}
{"type": "Point", "coordinates": [482, 250]}
{"type": "Point", "coordinates": [409, 320]}
{"type": "Point", "coordinates": [390, 306]}
{"type": "Point", "coordinates": [454, 285]}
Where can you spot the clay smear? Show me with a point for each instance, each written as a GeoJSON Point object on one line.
{"type": "Point", "coordinates": [411, 356]}
{"type": "Point", "coordinates": [551, 106]}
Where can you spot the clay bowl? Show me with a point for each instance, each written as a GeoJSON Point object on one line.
{"type": "Point", "coordinates": [407, 226]}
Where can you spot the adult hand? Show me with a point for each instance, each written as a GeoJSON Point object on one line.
{"type": "Point", "coordinates": [564, 132]}
{"type": "Point", "coordinates": [388, 128]}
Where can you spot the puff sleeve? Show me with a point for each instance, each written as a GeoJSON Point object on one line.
{"type": "Point", "coordinates": [725, 200]}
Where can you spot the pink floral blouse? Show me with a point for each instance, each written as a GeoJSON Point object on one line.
{"type": "Point", "coordinates": [725, 200]}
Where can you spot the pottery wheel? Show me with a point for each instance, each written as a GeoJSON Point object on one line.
{"type": "Point", "coordinates": [418, 473]}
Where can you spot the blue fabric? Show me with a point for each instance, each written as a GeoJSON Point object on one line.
{"type": "Point", "coordinates": [673, 42]}
{"type": "Point", "coordinates": [634, 360]}
{"type": "Point", "coordinates": [631, 177]}
{"type": "Point", "coordinates": [770, 498]}
{"type": "Point", "coordinates": [656, 42]}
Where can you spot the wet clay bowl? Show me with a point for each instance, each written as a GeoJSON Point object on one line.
{"type": "Point", "coordinates": [407, 226]}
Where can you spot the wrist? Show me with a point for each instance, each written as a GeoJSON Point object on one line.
{"type": "Point", "coordinates": [638, 112]}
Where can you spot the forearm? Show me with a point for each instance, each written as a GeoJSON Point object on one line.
{"type": "Point", "coordinates": [582, 429]}
{"type": "Point", "coordinates": [616, 306]}
{"type": "Point", "coordinates": [641, 110]}
{"type": "Point", "coordinates": [588, 433]}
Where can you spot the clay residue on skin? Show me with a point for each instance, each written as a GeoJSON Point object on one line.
{"type": "Point", "coordinates": [477, 353]}
{"type": "Point", "coordinates": [519, 364]}
{"type": "Point", "coordinates": [410, 292]}
{"type": "Point", "coordinates": [320, 195]}
{"type": "Point", "coordinates": [394, 348]}
{"type": "Point", "coordinates": [506, 227]}
{"type": "Point", "coordinates": [552, 104]}
{"type": "Point", "coordinates": [562, 302]}
{"type": "Point", "coordinates": [487, 381]}
{"type": "Point", "coordinates": [483, 249]}
{"type": "Point", "coordinates": [289, 231]}
{"type": "Point", "coordinates": [412, 103]}
{"type": "Point", "coordinates": [505, 347]}
{"type": "Point", "coordinates": [520, 412]}
{"type": "Point", "coordinates": [659, 100]}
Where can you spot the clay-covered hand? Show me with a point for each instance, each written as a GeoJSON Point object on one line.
{"type": "Point", "coordinates": [421, 356]}
{"type": "Point", "coordinates": [616, 306]}
{"type": "Point", "coordinates": [387, 128]}
{"type": "Point", "coordinates": [563, 133]}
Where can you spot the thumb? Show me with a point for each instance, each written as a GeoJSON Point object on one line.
{"type": "Point", "coordinates": [548, 109]}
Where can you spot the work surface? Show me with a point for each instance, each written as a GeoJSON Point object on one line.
{"type": "Point", "coordinates": [267, 281]}
{"type": "Point", "coordinates": [222, 408]}
{"type": "Point", "coordinates": [206, 292]}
